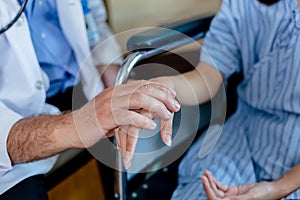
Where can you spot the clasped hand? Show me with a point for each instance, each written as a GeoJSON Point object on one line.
{"type": "Point", "coordinates": [124, 111]}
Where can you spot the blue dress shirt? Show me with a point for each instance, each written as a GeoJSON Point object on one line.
{"type": "Point", "coordinates": [53, 51]}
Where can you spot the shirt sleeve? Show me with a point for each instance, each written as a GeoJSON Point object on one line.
{"type": "Point", "coordinates": [221, 48]}
{"type": "Point", "coordinates": [7, 119]}
{"type": "Point", "coordinates": [109, 50]}
{"type": "Point", "coordinates": [11, 175]}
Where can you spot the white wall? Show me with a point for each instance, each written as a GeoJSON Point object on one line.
{"type": "Point", "coordinates": [127, 14]}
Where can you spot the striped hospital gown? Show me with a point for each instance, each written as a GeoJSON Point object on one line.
{"type": "Point", "coordinates": [261, 141]}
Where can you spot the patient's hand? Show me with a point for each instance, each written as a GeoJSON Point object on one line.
{"type": "Point", "coordinates": [127, 136]}
{"type": "Point", "coordinates": [256, 191]}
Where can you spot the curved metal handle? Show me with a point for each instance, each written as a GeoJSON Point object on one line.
{"type": "Point", "coordinates": [128, 64]}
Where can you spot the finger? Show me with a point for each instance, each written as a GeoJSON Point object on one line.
{"type": "Point", "coordinates": [159, 93]}
{"type": "Point", "coordinates": [121, 141]}
{"type": "Point", "coordinates": [207, 188]}
{"type": "Point", "coordinates": [127, 156]}
{"type": "Point", "coordinates": [213, 186]}
{"type": "Point", "coordinates": [132, 138]}
{"type": "Point", "coordinates": [119, 138]}
{"type": "Point", "coordinates": [123, 137]}
{"type": "Point", "coordinates": [219, 185]}
{"type": "Point", "coordinates": [132, 118]}
{"type": "Point", "coordinates": [166, 130]}
{"type": "Point", "coordinates": [150, 104]}
{"type": "Point", "coordinates": [141, 101]}
{"type": "Point", "coordinates": [133, 132]}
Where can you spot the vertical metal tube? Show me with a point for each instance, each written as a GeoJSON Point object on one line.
{"type": "Point", "coordinates": [120, 174]}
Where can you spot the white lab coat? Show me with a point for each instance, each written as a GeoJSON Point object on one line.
{"type": "Point", "coordinates": [23, 84]}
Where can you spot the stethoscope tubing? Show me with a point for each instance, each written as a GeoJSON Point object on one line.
{"type": "Point", "coordinates": [15, 19]}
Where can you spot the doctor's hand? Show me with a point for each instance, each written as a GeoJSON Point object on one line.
{"type": "Point", "coordinates": [116, 106]}
{"type": "Point", "coordinates": [256, 191]}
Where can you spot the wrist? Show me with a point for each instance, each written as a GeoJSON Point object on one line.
{"type": "Point", "coordinates": [85, 129]}
{"type": "Point", "coordinates": [281, 188]}
{"type": "Point", "coordinates": [66, 134]}
{"type": "Point", "coordinates": [108, 74]}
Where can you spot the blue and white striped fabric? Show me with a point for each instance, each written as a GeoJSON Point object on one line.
{"type": "Point", "coordinates": [261, 141]}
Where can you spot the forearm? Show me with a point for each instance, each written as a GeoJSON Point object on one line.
{"type": "Point", "coordinates": [108, 74]}
{"type": "Point", "coordinates": [198, 86]}
{"type": "Point", "coordinates": [39, 137]}
{"type": "Point", "coordinates": [289, 182]}
{"type": "Point", "coordinates": [43, 136]}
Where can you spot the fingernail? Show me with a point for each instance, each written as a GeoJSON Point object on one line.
{"type": "Point", "coordinates": [129, 156]}
{"type": "Point", "coordinates": [127, 159]}
{"type": "Point", "coordinates": [168, 140]}
{"type": "Point", "coordinates": [127, 165]}
{"type": "Point", "coordinates": [176, 104]}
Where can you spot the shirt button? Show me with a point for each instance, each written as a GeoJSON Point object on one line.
{"type": "Point", "coordinates": [134, 195]}
{"type": "Point", "coordinates": [43, 35]}
{"type": "Point", "coordinates": [145, 186]}
{"type": "Point", "coordinates": [39, 85]}
{"type": "Point", "coordinates": [20, 21]}
{"type": "Point", "coordinates": [40, 2]}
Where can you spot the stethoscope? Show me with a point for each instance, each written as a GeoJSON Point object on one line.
{"type": "Point", "coordinates": [15, 19]}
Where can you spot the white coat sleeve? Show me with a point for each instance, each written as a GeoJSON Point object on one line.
{"type": "Point", "coordinates": [7, 119]}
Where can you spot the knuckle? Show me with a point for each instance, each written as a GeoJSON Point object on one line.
{"type": "Point", "coordinates": [140, 82]}
{"type": "Point", "coordinates": [133, 133]}
{"type": "Point", "coordinates": [159, 109]}
{"type": "Point", "coordinates": [134, 119]}
{"type": "Point", "coordinates": [122, 131]}
{"type": "Point", "coordinates": [140, 97]}
{"type": "Point", "coordinates": [147, 88]}
{"type": "Point", "coordinates": [130, 116]}
{"type": "Point", "coordinates": [168, 131]}
{"type": "Point", "coordinates": [169, 98]}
